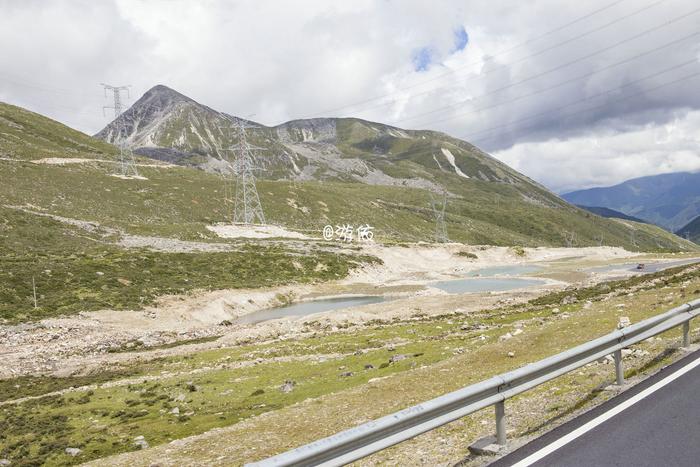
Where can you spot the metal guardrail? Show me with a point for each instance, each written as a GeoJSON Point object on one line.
{"type": "Point", "coordinates": [368, 438]}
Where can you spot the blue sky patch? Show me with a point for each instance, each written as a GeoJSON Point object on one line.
{"type": "Point", "coordinates": [422, 59]}
{"type": "Point", "coordinates": [461, 39]}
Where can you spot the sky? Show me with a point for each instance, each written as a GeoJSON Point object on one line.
{"type": "Point", "coordinates": [573, 94]}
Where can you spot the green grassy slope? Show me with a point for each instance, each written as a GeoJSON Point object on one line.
{"type": "Point", "coordinates": [180, 202]}
{"type": "Point", "coordinates": [27, 135]}
{"type": "Point", "coordinates": [75, 270]}
{"type": "Point", "coordinates": [692, 230]}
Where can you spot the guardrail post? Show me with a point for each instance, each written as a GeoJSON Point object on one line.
{"type": "Point", "coordinates": [686, 334]}
{"type": "Point", "coordinates": [619, 371]}
{"type": "Point", "coordinates": [500, 423]}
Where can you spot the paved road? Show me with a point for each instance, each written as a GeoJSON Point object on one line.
{"type": "Point", "coordinates": [651, 424]}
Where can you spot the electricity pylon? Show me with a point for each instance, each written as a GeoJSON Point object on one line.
{"type": "Point", "coordinates": [127, 165]}
{"type": "Point", "coordinates": [569, 238]}
{"type": "Point", "coordinates": [599, 239]}
{"type": "Point", "coordinates": [439, 212]}
{"type": "Point", "coordinates": [246, 208]}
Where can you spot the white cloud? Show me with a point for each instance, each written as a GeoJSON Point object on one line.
{"type": "Point", "coordinates": [284, 60]}
{"type": "Point", "coordinates": [607, 159]}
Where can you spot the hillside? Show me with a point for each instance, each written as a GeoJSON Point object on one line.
{"type": "Point", "coordinates": [30, 136]}
{"type": "Point", "coordinates": [692, 230]}
{"type": "Point", "coordinates": [495, 205]}
{"type": "Point", "coordinates": [669, 200]}
{"type": "Point", "coordinates": [610, 213]}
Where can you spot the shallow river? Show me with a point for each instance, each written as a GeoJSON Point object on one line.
{"type": "Point", "coordinates": [481, 280]}
{"type": "Point", "coordinates": [470, 284]}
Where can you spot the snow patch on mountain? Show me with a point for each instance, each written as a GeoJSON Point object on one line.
{"type": "Point", "coordinates": [451, 159]}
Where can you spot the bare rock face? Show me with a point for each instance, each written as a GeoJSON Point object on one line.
{"type": "Point", "coordinates": [313, 129]}
{"type": "Point", "coordinates": [288, 386]}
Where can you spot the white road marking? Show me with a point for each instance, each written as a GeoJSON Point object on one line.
{"type": "Point", "coordinates": [545, 451]}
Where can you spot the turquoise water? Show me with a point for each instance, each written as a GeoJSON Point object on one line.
{"type": "Point", "coordinates": [484, 283]}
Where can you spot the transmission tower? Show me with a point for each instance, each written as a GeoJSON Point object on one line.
{"type": "Point", "coordinates": [569, 238]}
{"type": "Point", "coordinates": [439, 212]}
{"type": "Point", "coordinates": [127, 165]}
{"type": "Point", "coordinates": [246, 208]}
{"type": "Point", "coordinates": [599, 239]}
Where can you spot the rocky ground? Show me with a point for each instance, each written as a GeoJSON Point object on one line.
{"type": "Point", "coordinates": [78, 344]}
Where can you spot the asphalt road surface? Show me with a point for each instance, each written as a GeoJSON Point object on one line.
{"type": "Point", "coordinates": [655, 423]}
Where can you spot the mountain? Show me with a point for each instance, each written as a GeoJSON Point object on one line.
{"type": "Point", "coordinates": [669, 200]}
{"type": "Point", "coordinates": [165, 124]}
{"type": "Point", "coordinates": [610, 213]}
{"type": "Point", "coordinates": [691, 230]}
{"type": "Point", "coordinates": [318, 172]}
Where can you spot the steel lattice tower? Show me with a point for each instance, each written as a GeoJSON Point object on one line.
{"type": "Point", "coordinates": [440, 226]}
{"type": "Point", "coordinates": [127, 165]}
{"type": "Point", "coordinates": [247, 208]}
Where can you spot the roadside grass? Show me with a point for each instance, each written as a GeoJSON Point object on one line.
{"type": "Point", "coordinates": [231, 386]}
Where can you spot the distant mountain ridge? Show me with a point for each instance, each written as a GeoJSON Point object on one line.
{"type": "Point", "coordinates": [691, 230]}
{"type": "Point", "coordinates": [610, 213]}
{"type": "Point", "coordinates": [669, 200]}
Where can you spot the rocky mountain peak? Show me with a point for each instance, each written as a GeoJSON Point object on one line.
{"type": "Point", "coordinates": [162, 97]}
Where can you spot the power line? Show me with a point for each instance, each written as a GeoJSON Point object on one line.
{"type": "Point", "coordinates": [468, 65]}
{"type": "Point", "coordinates": [29, 84]}
{"type": "Point", "coordinates": [573, 80]}
{"type": "Point", "coordinates": [548, 112]}
{"type": "Point", "coordinates": [556, 68]}
{"type": "Point", "coordinates": [482, 74]}
{"type": "Point", "coordinates": [466, 138]}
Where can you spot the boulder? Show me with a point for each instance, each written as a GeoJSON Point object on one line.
{"type": "Point", "coordinates": [288, 386]}
{"type": "Point", "coordinates": [623, 322]}
{"type": "Point", "coordinates": [140, 442]}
